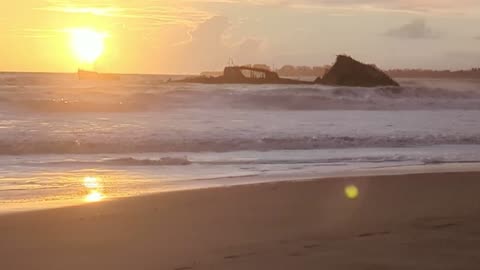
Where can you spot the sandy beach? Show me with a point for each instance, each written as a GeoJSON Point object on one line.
{"type": "Point", "coordinates": [422, 221]}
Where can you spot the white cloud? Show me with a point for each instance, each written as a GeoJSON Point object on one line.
{"type": "Point", "coordinates": [208, 48]}
{"type": "Point", "coordinates": [376, 5]}
{"type": "Point", "coordinates": [154, 12]}
{"type": "Point", "coordinates": [417, 29]}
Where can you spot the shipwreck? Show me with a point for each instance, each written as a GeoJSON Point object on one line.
{"type": "Point", "coordinates": [244, 75]}
{"type": "Point", "coordinates": [93, 75]}
{"type": "Point", "coordinates": [345, 72]}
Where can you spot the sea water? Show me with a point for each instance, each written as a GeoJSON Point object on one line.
{"type": "Point", "coordinates": [65, 141]}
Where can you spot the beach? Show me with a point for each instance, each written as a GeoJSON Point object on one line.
{"type": "Point", "coordinates": [416, 221]}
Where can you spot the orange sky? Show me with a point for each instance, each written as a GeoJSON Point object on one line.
{"type": "Point", "coordinates": [179, 36]}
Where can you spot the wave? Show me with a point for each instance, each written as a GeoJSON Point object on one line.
{"type": "Point", "coordinates": [142, 94]}
{"type": "Point", "coordinates": [184, 161]}
{"type": "Point", "coordinates": [165, 161]}
{"type": "Point", "coordinates": [439, 161]}
{"type": "Point", "coordinates": [225, 145]}
{"type": "Point", "coordinates": [127, 161]}
{"type": "Point", "coordinates": [336, 99]}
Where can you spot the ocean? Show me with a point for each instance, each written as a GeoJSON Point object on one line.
{"type": "Point", "coordinates": [65, 141]}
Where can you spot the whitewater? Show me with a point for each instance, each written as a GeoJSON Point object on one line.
{"type": "Point", "coordinates": [144, 134]}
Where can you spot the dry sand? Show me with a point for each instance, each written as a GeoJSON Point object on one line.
{"type": "Point", "coordinates": [424, 221]}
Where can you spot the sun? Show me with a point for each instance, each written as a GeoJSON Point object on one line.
{"type": "Point", "coordinates": [87, 44]}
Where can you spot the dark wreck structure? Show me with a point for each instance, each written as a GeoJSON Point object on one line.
{"type": "Point", "coordinates": [93, 75]}
{"type": "Point", "coordinates": [244, 75]}
{"type": "Point", "coordinates": [345, 72]}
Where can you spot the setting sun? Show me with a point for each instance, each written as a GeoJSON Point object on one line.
{"type": "Point", "coordinates": [87, 44]}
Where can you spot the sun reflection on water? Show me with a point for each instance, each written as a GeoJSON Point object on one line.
{"type": "Point", "coordinates": [94, 196]}
{"type": "Point", "coordinates": [90, 182]}
{"type": "Point", "coordinates": [94, 188]}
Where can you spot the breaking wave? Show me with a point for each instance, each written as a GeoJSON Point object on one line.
{"type": "Point", "coordinates": [185, 161]}
{"type": "Point", "coordinates": [127, 161]}
{"type": "Point", "coordinates": [223, 145]}
{"type": "Point", "coordinates": [145, 93]}
{"type": "Point", "coordinates": [140, 114]}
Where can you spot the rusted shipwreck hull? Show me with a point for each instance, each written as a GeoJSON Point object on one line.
{"type": "Point", "coordinates": [244, 75]}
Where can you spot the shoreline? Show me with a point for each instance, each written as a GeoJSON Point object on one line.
{"type": "Point", "coordinates": [396, 221]}
{"type": "Point", "coordinates": [241, 181]}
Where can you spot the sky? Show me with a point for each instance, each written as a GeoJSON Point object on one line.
{"type": "Point", "coordinates": [180, 36]}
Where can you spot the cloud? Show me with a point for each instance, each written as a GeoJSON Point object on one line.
{"type": "Point", "coordinates": [417, 29]}
{"type": "Point", "coordinates": [210, 32]}
{"type": "Point", "coordinates": [464, 54]}
{"type": "Point", "coordinates": [249, 51]}
{"type": "Point", "coordinates": [208, 48]}
{"type": "Point", "coordinates": [34, 32]}
{"type": "Point", "coordinates": [375, 5]}
{"type": "Point", "coordinates": [462, 59]}
{"type": "Point", "coordinates": [152, 13]}
{"type": "Point", "coordinates": [100, 11]}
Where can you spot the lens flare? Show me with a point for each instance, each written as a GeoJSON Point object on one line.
{"type": "Point", "coordinates": [351, 192]}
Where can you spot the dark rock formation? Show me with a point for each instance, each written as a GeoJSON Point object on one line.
{"type": "Point", "coordinates": [244, 75]}
{"type": "Point", "coordinates": [348, 72]}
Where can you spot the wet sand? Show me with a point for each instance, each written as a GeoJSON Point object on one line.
{"type": "Point", "coordinates": [422, 221]}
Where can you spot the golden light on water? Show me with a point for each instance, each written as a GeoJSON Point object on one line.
{"type": "Point", "coordinates": [351, 192]}
{"type": "Point", "coordinates": [94, 196]}
{"type": "Point", "coordinates": [94, 187]}
{"type": "Point", "coordinates": [91, 182]}
{"type": "Point", "coordinates": [87, 44]}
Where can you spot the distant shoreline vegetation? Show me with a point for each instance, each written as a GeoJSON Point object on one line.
{"type": "Point", "coordinates": [319, 71]}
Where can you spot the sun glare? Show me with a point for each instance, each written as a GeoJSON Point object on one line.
{"type": "Point", "coordinates": [94, 196]}
{"type": "Point", "coordinates": [87, 44]}
{"type": "Point", "coordinates": [94, 188]}
{"type": "Point", "coordinates": [90, 182]}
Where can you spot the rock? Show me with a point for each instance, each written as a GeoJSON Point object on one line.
{"type": "Point", "coordinates": [348, 72]}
